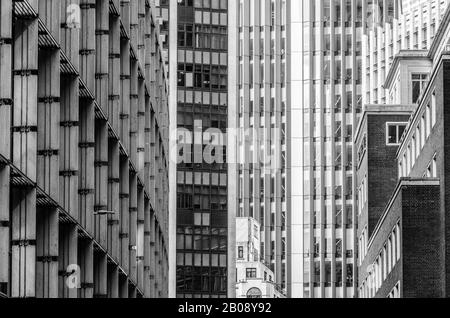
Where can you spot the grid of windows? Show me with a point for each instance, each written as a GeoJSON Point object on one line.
{"type": "Point", "coordinates": [262, 99]}
{"type": "Point", "coordinates": [327, 113]}
{"type": "Point", "coordinates": [383, 265]}
{"type": "Point", "coordinates": [417, 138]}
{"type": "Point", "coordinates": [201, 184]}
{"type": "Point", "coordinates": [416, 27]}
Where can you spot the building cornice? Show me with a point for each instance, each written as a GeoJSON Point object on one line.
{"type": "Point", "coordinates": [381, 109]}
{"type": "Point", "coordinates": [401, 56]}
{"type": "Point", "coordinates": [440, 33]}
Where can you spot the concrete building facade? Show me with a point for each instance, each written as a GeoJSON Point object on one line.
{"type": "Point", "coordinates": [297, 82]}
{"type": "Point", "coordinates": [84, 143]}
{"type": "Point", "coordinates": [258, 94]}
{"type": "Point", "coordinates": [390, 26]}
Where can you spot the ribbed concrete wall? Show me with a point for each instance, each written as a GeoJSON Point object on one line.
{"type": "Point", "coordinates": [83, 150]}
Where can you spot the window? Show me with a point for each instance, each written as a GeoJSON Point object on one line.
{"type": "Point", "coordinates": [418, 83]}
{"type": "Point", "coordinates": [395, 293]}
{"type": "Point", "coordinates": [394, 248]}
{"type": "Point", "coordinates": [397, 230]}
{"type": "Point", "coordinates": [417, 136]}
{"type": "Point", "coordinates": [250, 272]}
{"type": "Point", "coordinates": [408, 160]}
{"type": "Point", "coordinates": [389, 254]}
{"type": "Point", "coordinates": [394, 132]}
{"type": "Point", "coordinates": [240, 252]}
{"type": "Point", "coordinates": [434, 167]}
{"type": "Point", "coordinates": [254, 293]}
{"type": "Point", "coordinates": [362, 149]}
{"type": "Point", "coordinates": [433, 110]}
{"type": "Point", "coordinates": [422, 131]}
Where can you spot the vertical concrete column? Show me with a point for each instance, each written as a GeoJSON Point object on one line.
{"type": "Point", "coordinates": [152, 156]}
{"type": "Point", "coordinates": [152, 255]}
{"type": "Point", "coordinates": [101, 181]}
{"type": "Point", "coordinates": [133, 226]}
{"type": "Point", "coordinates": [123, 287]}
{"type": "Point", "coordinates": [147, 233]}
{"type": "Point", "coordinates": [114, 72]}
{"type": "Point", "coordinates": [48, 154]}
{"type": "Point", "coordinates": [47, 253]}
{"type": "Point", "coordinates": [124, 213]}
{"type": "Point", "coordinates": [113, 281]}
{"type": "Point", "coordinates": [102, 53]}
{"type": "Point", "coordinates": [69, 128]}
{"type": "Point", "coordinates": [101, 205]}
{"type": "Point", "coordinates": [70, 30]}
{"type": "Point", "coordinates": [100, 275]}
{"type": "Point", "coordinates": [5, 138]}
{"type": "Point", "coordinates": [87, 171]}
{"type": "Point", "coordinates": [68, 262]}
{"type": "Point", "coordinates": [69, 143]}
{"type": "Point", "coordinates": [158, 259]}
{"type": "Point", "coordinates": [131, 291]}
{"type": "Point", "coordinates": [124, 130]}
{"type": "Point", "coordinates": [140, 157]}
{"type": "Point", "coordinates": [86, 264]}
{"type": "Point", "coordinates": [134, 23]}
{"type": "Point", "coordinates": [147, 139]}
{"type": "Point", "coordinates": [24, 131]}
{"type": "Point", "coordinates": [101, 145]}
{"type": "Point", "coordinates": [88, 43]}
{"type": "Point", "coordinates": [48, 109]}
{"type": "Point", "coordinates": [134, 107]}
{"type": "Point", "coordinates": [141, 31]}
{"type": "Point", "coordinates": [87, 146]}
{"type": "Point", "coordinates": [140, 237]}
{"type": "Point", "coordinates": [87, 114]}
{"type": "Point", "coordinates": [113, 198]}
{"type": "Point", "coordinates": [4, 229]}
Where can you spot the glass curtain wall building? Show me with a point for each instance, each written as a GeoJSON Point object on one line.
{"type": "Point", "coordinates": [201, 98]}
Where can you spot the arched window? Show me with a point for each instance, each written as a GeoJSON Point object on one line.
{"type": "Point", "coordinates": [254, 293]}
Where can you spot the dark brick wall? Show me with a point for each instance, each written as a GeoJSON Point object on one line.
{"type": "Point", "coordinates": [382, 166]}
{"type": "Point", "coordinates": [421, 240]}
{"type": "Point", "coordinates": [445, 168]}
{"type": "Point", "coordinates": [419, 269]}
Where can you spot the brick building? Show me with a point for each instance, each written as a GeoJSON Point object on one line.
{"type": "Point", "coordinates": [404, 229]}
